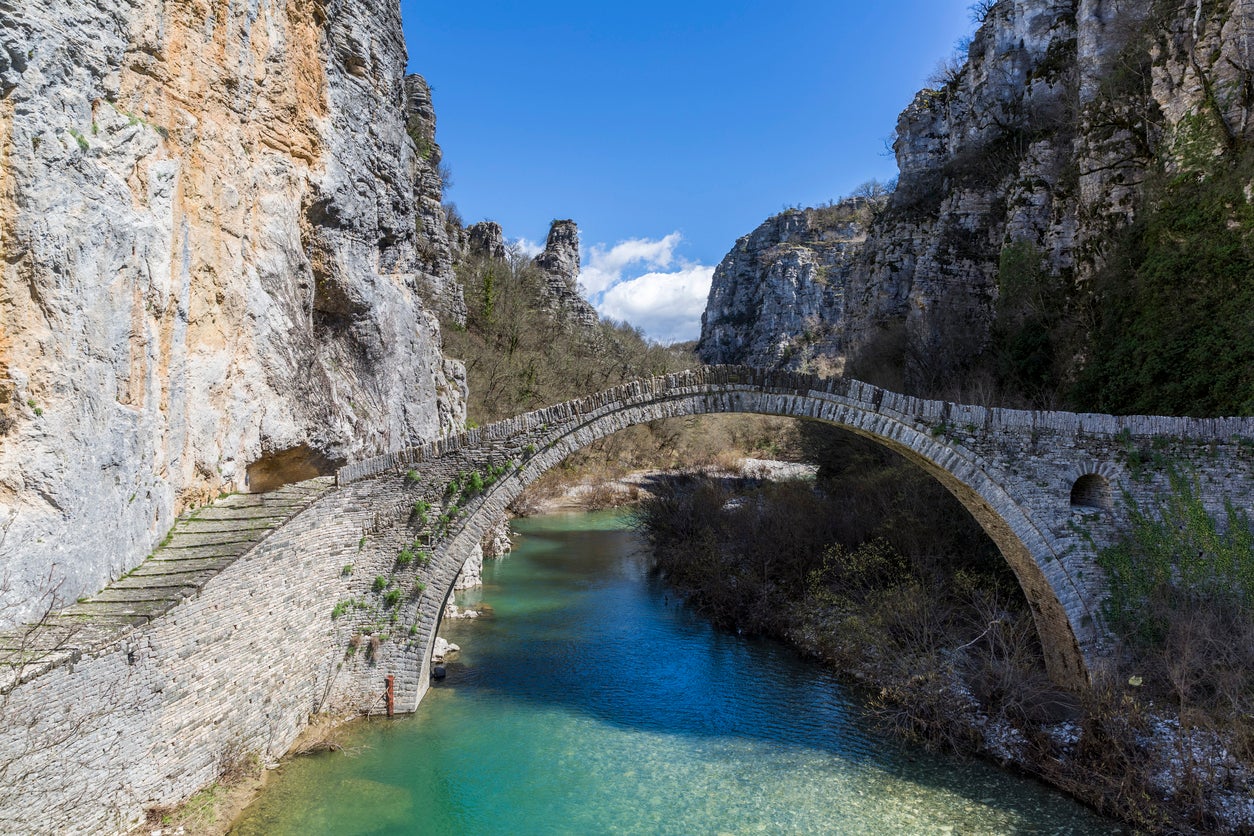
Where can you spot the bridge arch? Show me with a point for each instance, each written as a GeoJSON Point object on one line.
{"type": "Point", "coordinates": [252, 616]}
{"type": "Point", "coordinates": [1008, 506]}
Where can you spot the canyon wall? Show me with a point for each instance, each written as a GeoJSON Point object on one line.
{"type": "Point", "coordinates": [213, 224]}
{"type": "Point", "coordinates": [1023, 160]}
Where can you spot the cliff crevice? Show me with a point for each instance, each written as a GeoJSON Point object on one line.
{"type": "Point", "coordinates": [213, 221]}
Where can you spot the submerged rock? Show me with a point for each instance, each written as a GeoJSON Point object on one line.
{"type": "Point", "coordinates": [456, 612]}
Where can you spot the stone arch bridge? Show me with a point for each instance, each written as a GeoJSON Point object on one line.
{"type": "Point", "coordinates": [262, 610]}
{"type": "Point", "coordinates": [1043, 485]}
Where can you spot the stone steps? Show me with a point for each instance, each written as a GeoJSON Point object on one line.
{"type": "Point", "coordinates": [200, 545]}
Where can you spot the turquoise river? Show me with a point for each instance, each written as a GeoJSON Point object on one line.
{"type": "Point", "coordinates": [591, 701]}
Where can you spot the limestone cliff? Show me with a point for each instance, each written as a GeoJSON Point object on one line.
{"type": "Point", "coordinates": [778, 297]}
{"type": "Point", "coordinates": [1033, 150]}
{"type": "Point", "coordinates": [560, 264]}
{"type": "Point", "coordinates": [486, 239]}
{"type": "Point", "coordinates": [212, 257]}
{"type": "Point", "coordinates": [440, 238]}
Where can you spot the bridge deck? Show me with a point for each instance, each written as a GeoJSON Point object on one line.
{"type": "Point", "coordinates": [201, 544]}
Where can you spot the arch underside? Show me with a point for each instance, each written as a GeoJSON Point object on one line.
{"type": "Point", "coordinates": [1025, 547]}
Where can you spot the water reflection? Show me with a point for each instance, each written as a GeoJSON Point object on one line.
{"type": "Point", "coordinates": [593, 702]}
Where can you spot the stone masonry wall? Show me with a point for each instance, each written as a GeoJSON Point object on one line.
{"type": "Point", "coordinates": [1014, 470]}
{"type": "Point", "coordinates": [295, 626]}
{"type": "Point", "coordinates": [149, 719]}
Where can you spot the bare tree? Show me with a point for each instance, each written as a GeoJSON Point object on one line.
{"type": "Point", "coordinates": [46, 746]}
{"type": "Point", "coordinates": [981, 9]}
{"type": "Point", "coordinates": [946, 73]}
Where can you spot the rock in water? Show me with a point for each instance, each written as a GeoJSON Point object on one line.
{"type": "Point", "coordinates": [442, 649]}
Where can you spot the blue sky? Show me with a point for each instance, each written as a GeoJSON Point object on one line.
{"type": "Point", "coordinates": [667, 130]}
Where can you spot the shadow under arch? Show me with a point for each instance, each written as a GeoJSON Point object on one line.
{"type": "Point", "coordinates": [977, 483]}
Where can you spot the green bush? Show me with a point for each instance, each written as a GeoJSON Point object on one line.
{"type": "Point", "coordinates": [1172, 333]}
{"type": "Point", "coordinates": [1181, 598]}
{"type": "Point", "coordinates": [420, 510]}
{"type": "Point", "coordinates": [380, 584]}
{"type": "Point", "coordinates": [1176, 557]}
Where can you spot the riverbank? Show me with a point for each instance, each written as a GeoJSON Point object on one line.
{"type": "Point", "coordinates": [598, 491]}
{"type": "Point", "coordinates": [212, 811]}
{"type": "Point", "coordinates": [944, 643]}
{"type": "Point", "coordinates": [594, 692]}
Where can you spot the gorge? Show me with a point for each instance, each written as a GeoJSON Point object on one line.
{"type": "Point", "coordinates": [234, 312]}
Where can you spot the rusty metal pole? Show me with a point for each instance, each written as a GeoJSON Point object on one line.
{"type": "Point", "coordinates": [391, 693]}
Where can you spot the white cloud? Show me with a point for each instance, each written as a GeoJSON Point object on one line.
{"type": "Point", "coordinates": [528, 248]}
{"type": "Point", "coordinates": [643, 282]}
{"type": "Point", "coordinates": [603, 269]}
{"type": "Point", "coordinates": [667, 306]}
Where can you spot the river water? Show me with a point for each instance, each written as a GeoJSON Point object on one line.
{"type": "Point", "coordinates": [591, 701]}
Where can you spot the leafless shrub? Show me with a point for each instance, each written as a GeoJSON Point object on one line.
{"type": "Point", "coordinates": [946, 73]}
{"type": "Point", "coordinates": [325, 733]}
{"type": "Point", "coordinates": [601, 496]}
{"type": "Point", "coordinates": [981, 9]}
{"type": "Point", "coordinates": [238, 762]}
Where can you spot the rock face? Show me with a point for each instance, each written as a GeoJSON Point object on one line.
{"type": "Point", "coordinates": [560, 265]}
{"type": "Point", "coordinates": [486, 239]}
{"type": "Point", "coordinates": [214, 229]}
{"type": "Point", "coordinates": [1039, 142]}
{"type": "Point", "coordinates": [440, 238]}
{"type": "Point", "coordinates": [786, 280]}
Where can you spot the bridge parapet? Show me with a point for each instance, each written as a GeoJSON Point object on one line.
{"type": "Point", "coordinates": [295, 623]}
{"type": "Point", "coordinates": [977, 420]}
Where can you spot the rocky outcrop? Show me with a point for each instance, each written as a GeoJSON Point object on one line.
{"type": "Point", "coordinates": [486, 239]}
{"type": "Point", "coordinates": [560, 264]}
{"type": "Point", "coordinates": [1036, 147]}
{"type": "Point", "coordinates": [471, 575]}
{"type": "Point", "coordinates": [440, 239]}
{"type": "Point", "coordinates": [787, 282]}
{"type": "Point", "coordinates": [211, 266]}
{"type": "Point", "coordinates": [496, 543]}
